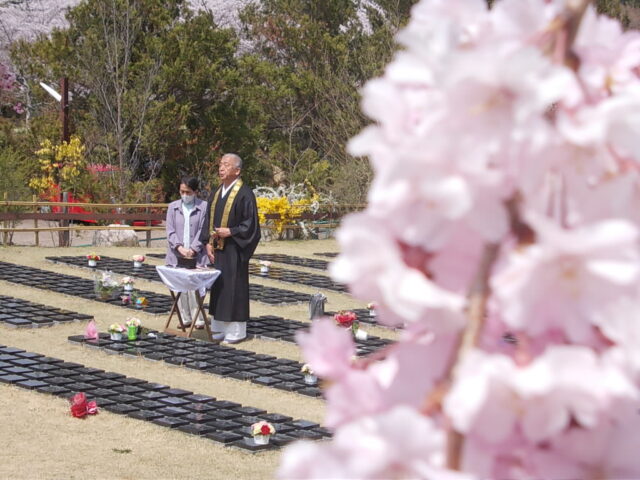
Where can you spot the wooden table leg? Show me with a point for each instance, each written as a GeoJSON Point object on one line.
{"type": "Point", "coordinates": [176, 310]}
{"type": "Point", "coordinates": [203, 312]}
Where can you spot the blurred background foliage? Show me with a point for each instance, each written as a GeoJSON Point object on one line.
{"type": "Point", "coordinates": [160, 90]}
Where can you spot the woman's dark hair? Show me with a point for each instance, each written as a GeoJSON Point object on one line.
{"type": "Point", "coordinates": [192, 182]}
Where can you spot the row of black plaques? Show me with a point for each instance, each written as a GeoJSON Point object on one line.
{"type": "Point", "coordinates": [282, 258]}
{"type": "Point", "coordinates": [293, 260]}
{"type": "Point", "coordinates": [219, 420]}
{"type": "Point", "coordinates": [258, 293]}
{"type": "Point", "coordinates": [75, 286]}
{"type": "Point", "coordinates": [18, 313]}
{"type": "Point", "coordinates": [211, 358]}
{"type": "Point", "coordinates": [274, 327]}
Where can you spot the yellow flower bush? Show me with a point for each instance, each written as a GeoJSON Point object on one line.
{"type": "Point", "coordinates": [65, 161]}
{"type": "Point", "coordinates": [288, 203]}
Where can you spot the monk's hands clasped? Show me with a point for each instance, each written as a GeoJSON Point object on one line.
{"type": "Point", "coordinates": [223, 232]}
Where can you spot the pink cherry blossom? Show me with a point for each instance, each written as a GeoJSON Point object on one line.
{"type": "Point", "coordinates": [565, 279]}
{"type": "Point", "coordinates": [503, 208]}
{"type": "Point", "coordinates": [495, 399]}
{"type": "Point", "coordinates": [398, 444]}
{"type": "Point", "coordinates": [327, 348]}
{"type": "Point", "coordinates": [609, 56]}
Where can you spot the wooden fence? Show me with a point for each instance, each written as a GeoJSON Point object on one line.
{"type": "Point", "coordinates": [121, 215]}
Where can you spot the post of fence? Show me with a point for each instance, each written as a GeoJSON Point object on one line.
{"type": "Point", "coordinates": [147, 210]}
{"type": "Point", "coordinates": [63, 236]}
{"type": "Point", "coordinates": [5, 234]}
{"type": "Point", "coordinates": [34, 199]}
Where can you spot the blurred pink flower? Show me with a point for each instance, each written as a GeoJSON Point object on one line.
{"type": "Point", "coordinates": [400, 443]}
{"type": "Point", "coordinates": [564, 280]}
{"type": "Point", "coordinates": [327, 348]}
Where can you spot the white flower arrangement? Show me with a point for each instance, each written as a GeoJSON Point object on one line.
{"type": "Point", "coordinates": [262, 428]}
{"type": "Point", "coordinates": [116, 328]}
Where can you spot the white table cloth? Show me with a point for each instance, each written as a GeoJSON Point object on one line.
{"type": "Point", "coordinates": [188, 280]}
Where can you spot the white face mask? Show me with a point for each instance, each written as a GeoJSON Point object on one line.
{"type": "Point", "coordinates": [188, 199]}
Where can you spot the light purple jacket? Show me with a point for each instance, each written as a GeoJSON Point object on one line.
{"type": "Point", "coordinates": [175, 231]}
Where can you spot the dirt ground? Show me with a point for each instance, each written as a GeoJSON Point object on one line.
{"type": "Point", "coordinates": [77, 238]}
{"type": "Point", "coordinates": [38, 437]}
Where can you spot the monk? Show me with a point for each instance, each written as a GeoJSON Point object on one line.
{"type": "Point", "coordinates": [231, 235]}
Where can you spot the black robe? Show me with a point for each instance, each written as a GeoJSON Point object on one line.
{"type": "Point", "coordinates": [230, 292]}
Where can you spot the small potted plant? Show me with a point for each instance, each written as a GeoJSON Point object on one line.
{"type": "Point", "coordinates": [115, 331]}
{"type": "Point", "coordinates": [105, 285]}
{"type": "Point", "coordinates": [350, 320]}
{"type": "Point", "coordinates": [139, 302]}
{"type": "Point", "coordinates": [133, 327]}
{"type": "Point", "coordinates": [310, 377]}
{"type": "Point", "coordinates": [127, 283]}
{"type": "Point", "coordinates": [264, 266]}
{"type": "Point", "coordinates": [137, 260]}
{"type": "Point", "coordinates": [93, 259]}
{"type": "Point", "coordinates": [372, 309]}
{"type": "Point", "coordinates": [261, 432]}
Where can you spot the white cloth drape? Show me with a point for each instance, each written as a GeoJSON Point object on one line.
{"type": "Point", "coordinates": [186, 280]}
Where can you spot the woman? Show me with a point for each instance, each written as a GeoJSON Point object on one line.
{"type": "Point", "coordinates": [185, 221]}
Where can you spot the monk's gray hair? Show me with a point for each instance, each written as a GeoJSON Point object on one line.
{"type": "Point", "coordinates": [236, 158]}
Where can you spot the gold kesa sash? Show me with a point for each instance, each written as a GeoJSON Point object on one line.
{"type": "Point", "coordinates": [217, 242]}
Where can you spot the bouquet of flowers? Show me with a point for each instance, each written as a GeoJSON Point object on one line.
{"type": "Point", "coordinates": [80, 408]}
{"type": "Point", "coordinates": [127, 283]}
{"type": "Point", "coordinates": [310, 377]}
{"type": "Point", "coordinates": [138, 258]}
{"type": "Point", "coordinates": [92, 259]}
{"type": "Point", "coordinates": [345, 319]}
{"type": "Point", "coordinates": [133, 322]}
{"type": "Point", "coordinates": [133, 327]}
{"type": "Point", "coordinates": [350, 320]}
{"type": "Point", "coordinates": [261, 432]}
{"type": "Point", "coordinates": [105, 285]}
{"type": "Point", "coordinates": [140, 302]}
{"type": "Point", "coordinates": [116, 328]}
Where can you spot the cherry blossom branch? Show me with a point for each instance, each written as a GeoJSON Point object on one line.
{"type": "Point", "coordinates": [477, 309]}
{"type": "Point", "coordinates": [478, 295]}
{"type": "Point", "coordinates": [568, 25]}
